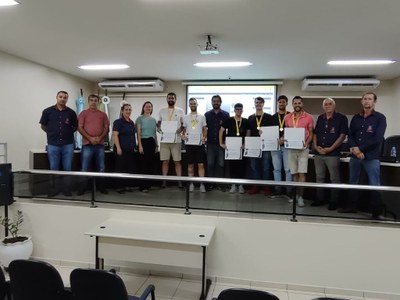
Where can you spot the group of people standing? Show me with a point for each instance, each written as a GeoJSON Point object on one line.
{"type": "Point", "coordinates": [204, 136]}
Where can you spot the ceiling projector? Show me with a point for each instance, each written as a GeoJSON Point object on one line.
{"type": "Point", "coordinates": [209, 47]}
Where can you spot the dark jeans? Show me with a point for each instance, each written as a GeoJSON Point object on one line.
{"type": "Point", "coordinates": [60, 156]}
{"type": "Point", "coordinates": [215, 161]}
{"type": "Point", "coordinates": [147, 161]}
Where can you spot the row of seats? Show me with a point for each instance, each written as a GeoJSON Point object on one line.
{"type": "Point", "coordinates": [31, 279]}
{"type": "Point", "coordinates": [250, 294]}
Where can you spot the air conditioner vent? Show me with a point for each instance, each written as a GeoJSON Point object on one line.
{"type": "Point", "coordinates": [133, 85]}
{"type": "Point", "coordinates": [339, 84]}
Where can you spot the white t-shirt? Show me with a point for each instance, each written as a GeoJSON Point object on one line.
{"type": "Point", "coordinates": [194, 123]}
{"type": "Point", "coordinates": [172, 114]}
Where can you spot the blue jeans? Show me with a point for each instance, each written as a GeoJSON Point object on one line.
{"type": "Point", "coordinates": [93, 151]}
{"type": "Point", "coordinates": [215, 161]}
{"type": "Point", "coordinates": [260, 168]}
{"type": "Point", "coordinates": [372, 168]}
{"type": "Point", "coordinates": [280, 157]}
{"type": "Point", "coordinates": [63, 154]}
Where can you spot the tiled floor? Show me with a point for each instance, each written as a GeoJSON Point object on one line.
{"type": "Point", "coordinates": [168, 288]}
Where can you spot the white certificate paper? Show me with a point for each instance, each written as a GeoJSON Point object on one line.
{"type": "Point", "coordinates": [252, 146]}
{"type": "Point", "coordinates": [269, 138]}
{"type": "Point", "coordinates": [294, 138]}
{"type": "Point", "coordinates": [168, 129]}
{"type": "Point", "coordinates": [193, 139]}
{"type": "Point", "coordinates": [233, 149]}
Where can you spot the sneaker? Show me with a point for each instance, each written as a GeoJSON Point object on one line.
{"type": "Point", "coordinates": [202, 188]}
{"type": "Point", "coordinates": [145, 191]}
{"type": "Point", "coordinates": [241, 189]}
{"type": "Point", "coordinates": [67, 193]}
{"type": "Point", "coordinates": [267, 191]}
{"type": "Point", "coordinates": [300, 202]}
{"type": "Point", "coordinates": [275, 194]}
{"type": "Point", "coordinates": [233, 189]}
{"type": "Point", "coordinates": [254, 190]}
{"type": "Point", "coordinates": [191, 187]}
{"type": "Point", "coordinates": [103, 191]}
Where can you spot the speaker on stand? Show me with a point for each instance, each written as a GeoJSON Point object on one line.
{"type": "Point", "coordinates": [6, 189]}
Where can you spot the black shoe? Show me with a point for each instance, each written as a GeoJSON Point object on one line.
{"type": "Point", "coordinates": [317, 203]}
{"type": "Point", "coordinates": [67, 193]}
{"type": "Point", "coordinates": [80, 192]}
{"type": "Point", "coordinates": [164, 184]}
{"type": "Point", "coordinates": [332, 206]}
{"type": "Point", "coordinates": [120, 191]}
{"type": "Point", "coordinates": [347, 210]}
{"type": "Point", "coordinates": [180, 185]}
{"type": "Point", "coordinates": [52, 194]}
{"type": "Point", "coordinates": [103, 191]}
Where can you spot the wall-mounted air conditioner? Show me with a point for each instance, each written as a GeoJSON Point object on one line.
{"type": "Point", "coordinates": [339, 84]}
{"type": "Point", "coordinates": [133, 85]}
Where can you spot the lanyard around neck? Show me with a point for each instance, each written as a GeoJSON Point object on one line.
{"type": "Point", "coordinates": [238, 124]}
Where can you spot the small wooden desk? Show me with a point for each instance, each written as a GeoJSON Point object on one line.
{"type": "Point", "coordinates": [179, 245]}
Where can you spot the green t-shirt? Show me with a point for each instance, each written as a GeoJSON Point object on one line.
{"type": "Point", "coordinates": [148, 126]}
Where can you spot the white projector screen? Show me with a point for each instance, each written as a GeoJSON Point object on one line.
{"type": "Point", "coordinates": [232, 94]}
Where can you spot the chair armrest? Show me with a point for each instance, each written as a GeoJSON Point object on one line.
{"type": "Point", "coordinates": [149, 290]}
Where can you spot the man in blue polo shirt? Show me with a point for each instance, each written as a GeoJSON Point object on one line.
{"type": "Point", "coordinates": [366, 134]}
{"type": "Point", "coordinates": [329, 133]}
{"type": "Point", "coordinates": [59, 122]}
{"type": "Point", "coordinates": [215, 154]}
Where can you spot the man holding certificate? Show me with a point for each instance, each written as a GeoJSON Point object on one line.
{"type": "Point", "coordinates": [194, 133]}
{"type": "Point", "coordinates": [298, 136]}
{"type": "Point", "coordinates": [170, 127]}
{"type": "Point", "coordinates": [236, 129]}
{"type": "Point", "coordinates": [260, 167]}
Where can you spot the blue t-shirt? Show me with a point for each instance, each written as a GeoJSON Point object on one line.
{"type": "Point", "coordinates": [148, 126]}
{"type": "Point", "coordinates": [126, 133]}
{"type": "Point", "coordinates": [60, 125]}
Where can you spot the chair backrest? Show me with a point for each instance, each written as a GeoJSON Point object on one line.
{"type": "Point", "coordinates": [31, 279]}
{"type": "Point", "coordinates": [3, 285]}
{"type": "Point", "coordinates": [391, 141]}
{"type": "Point", "coordinates": [93, 284]}
{"type": "Point", "coordinates": [248, 294]}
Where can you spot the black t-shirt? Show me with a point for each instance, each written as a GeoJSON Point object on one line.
{"type": "Point", "coordinates": [266, 120]}
{"type": "Point", "coordinates": [230, 127]}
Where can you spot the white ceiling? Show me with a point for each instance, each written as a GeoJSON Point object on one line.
{"type": "Point", "coordinates": [284, 39]}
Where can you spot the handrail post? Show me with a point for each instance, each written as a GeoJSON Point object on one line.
{"type": "Point", "coordinates": [93, 205]}
{"type": "Point", "coordinates": [187, 206]}
{"type": "Point", "coordinates": [293, 219]}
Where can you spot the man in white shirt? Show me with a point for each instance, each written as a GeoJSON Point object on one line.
{"type": "Point", "coordinates": [171, 114]}
{"type": "Point", "coordinates": [194, 133]}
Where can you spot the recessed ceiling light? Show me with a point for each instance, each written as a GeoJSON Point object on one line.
{"type": "Point", "coordinates": [8, 2]}
{"type": "Point", "coordinates": [103, 67]}
{"type": "Point", "coordinates": [223, 64]}
{"type": "Point", "coordinates": [360, 62]}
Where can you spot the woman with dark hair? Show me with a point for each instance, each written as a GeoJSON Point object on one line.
{"type": "Point", "coordinates": [147, 141]}
{"type": "Point", "coordinates": [124, 144]}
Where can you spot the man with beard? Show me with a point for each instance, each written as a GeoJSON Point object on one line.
{"type": "Point", "coordinates": [59, 122]}
{"type": "Point", "coordinates": [194, 125]}
{"type": "Point", "coordinates": [366, 134]}
{"type": "Point", "coordinates": [171, 113]}
{"type": "Point", "coordinates": [298, 158]}
{"type": "Point", "coordinates": [280, 156]}
{"type": "Point", "coordinates": [215, 154]}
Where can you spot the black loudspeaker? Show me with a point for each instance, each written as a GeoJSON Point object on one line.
{"type": "Point", "coordinates": [6, 185]}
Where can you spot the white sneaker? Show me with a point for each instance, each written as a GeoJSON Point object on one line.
{"type": "Point", "coordinates": [241, 189]}
{"type": "Point", "coordinates": [202, 188]}
{"type": "Point", "coordinates": [300, 202]}
{"type": "Point", "coordinates": [290, 200]}
{"type": "Point", "coordinates": [191, 187]}
{"type": "Point", "coordinates": [233, 189]}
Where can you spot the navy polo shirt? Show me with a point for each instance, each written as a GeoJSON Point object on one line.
{"type": "Point", "coordinates": [266, 120]}
{"type": "Point", "coordinates": [60, 125]}
{"type": "Point", "coordinates": [328, 131]}
{"type": "Point", "coordinates": [367, 133]}
{"type": "Point", "coordinates": [214, 122]}
{"type": "Point", "coordinates": [126, 133]}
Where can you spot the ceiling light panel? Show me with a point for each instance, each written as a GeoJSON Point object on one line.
{"type": "Point", "coordinates": [8, 2]}
{"type": "Point", "coordinates": [227, 64]}
{"type": "Point", "coordinates": [103, 67]}
{"type": "Point", "coordinates": [360, 62]}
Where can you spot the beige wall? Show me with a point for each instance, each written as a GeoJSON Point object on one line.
{"type": "Point", "coordinates": [26, 89]}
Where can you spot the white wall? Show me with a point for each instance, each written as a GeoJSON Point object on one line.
{"type": "Point", "coordinates": [350, 257]}
{"type": "Point", "coordinates": [26, 89]}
